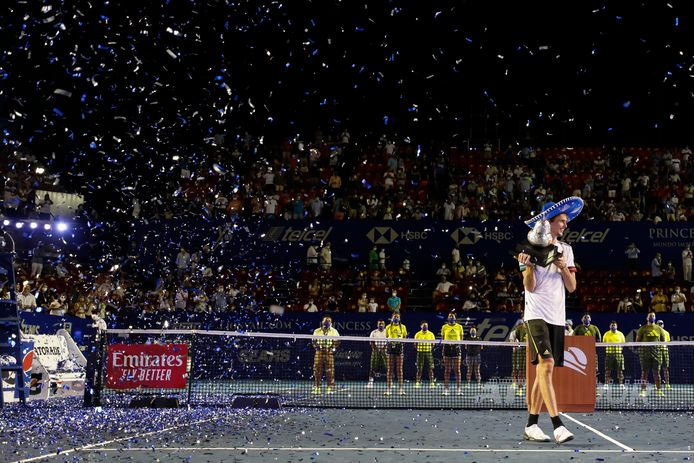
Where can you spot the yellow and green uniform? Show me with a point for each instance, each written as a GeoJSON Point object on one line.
{"type": "Point", "coordinates": [424, 354]}
{"type": "Point", "coordinates": [325, 344]}
{"type": "Point", "coordinates": [590, 330]}
{"type": "Point", "coordinates": [452, 332]}
{"type": "Point", "coordinates": [650, 356]}
{"type": "Point", "coordinates": [518, 359]}
{"type": "Point", "coordinates": [665, 352]}
{"type": "Point", "coordinates": [393, 331]}
{"type": "Point", "coordinates": [614, 359]}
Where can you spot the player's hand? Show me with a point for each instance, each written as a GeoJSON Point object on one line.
{"type": "Point", "coordinates": [524, 258]}
{"type": "Point", "coordinates": [560, 263]}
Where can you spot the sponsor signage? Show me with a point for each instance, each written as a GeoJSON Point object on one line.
{"type": "Point", "coordinates": [575, 382]}
{"type": "Point", "coordinates": [147, 366]}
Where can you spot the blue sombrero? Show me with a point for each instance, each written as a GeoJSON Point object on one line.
{"type": "Point", "coordinates": [570, 206]}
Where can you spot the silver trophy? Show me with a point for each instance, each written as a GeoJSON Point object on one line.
{"type": "Point", "coordinates": [538, 246]}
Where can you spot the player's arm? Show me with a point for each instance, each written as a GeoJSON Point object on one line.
{"type": "Point", "coordinates": [567, 275]}
{"type": "Point", "coordinates": [598, 335]}
{"type": "Point", "coordinates": [528, 269]}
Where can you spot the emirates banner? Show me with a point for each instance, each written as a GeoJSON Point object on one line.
{"type": "Point", "coordinates": [147, 366]}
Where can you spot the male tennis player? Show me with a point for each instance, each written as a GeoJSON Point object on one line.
{"type": "Point", "coordinates": [545, 314]}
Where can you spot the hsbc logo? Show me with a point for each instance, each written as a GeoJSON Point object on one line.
{"type": "Point", "coordinates": [466, 235]}
{"type": "Point", "coordinates": [471, 235]}
{"type": "Point", "coordinates": [382, 235]}
{"type": "Point", "coordinates": [576, 359]}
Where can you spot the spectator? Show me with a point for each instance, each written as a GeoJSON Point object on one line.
{"type": "Point", "coordinates": [310, 307]}
{"type": "Point", "coordinates": [326, 257]}
{"type": "Point", "coordinates": [632, 253]}
{"type": "Point", "coordinates": [219, 299]}
{"type": "Point", "coordinates": [25, 300]}
{"type": "Point", "coordinates": [656, 264]}
{"type": "Point", "coordinates": [182, 263]}
{"type": "Point", "coordinates": [442, 288]}
{"type": "Point", "coordinates": [373, 258]}
{"type": "Point", "coordinates": [443, 270]}
{"type": "Point", "coordinates": [373, 305]}
{"type": "Point", "coordinates": [55, 308]}
{"type": "Point", "coordinates": [394, 302]}
{"type": "Point", "coordinates": [455, 258]}
{"type": "Point", "coordinates": [362, 303]}
{"type": "Point", "coordinates": [659, 302]}
{"type": "Point", "coordinates": [687, 264]}
{"type": "Point", "coordinates": [37, 261]}
{"type": "Point", "coordinates": [382, 259]}
{"type": "Point", "coordinates": [311, 257]}
{"type": "Point", "coordinates": [678, 299]}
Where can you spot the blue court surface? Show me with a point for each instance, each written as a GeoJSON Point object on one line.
{"type": "Point", "coordinates": [64, 431]}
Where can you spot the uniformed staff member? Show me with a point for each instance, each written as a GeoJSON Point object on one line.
{"type": "Point", "coordinates": [323, 360]}
{"type": "Point", "coordinates": [650, 356]}
{"type": "Point", "coordinates": [614, 358]}
{"type": "Point", "coordinates": [452, 331]}
{"type": "Point", "coordinates": [395, 330]}
{"type": "Point", "coordinates": [519, 335]}
{"type": "Point", "coordinates": [425, 358]}
{"type": "Point", "coordinates": [665, 359]}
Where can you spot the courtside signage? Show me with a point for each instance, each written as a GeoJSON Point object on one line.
{"type": "Point", "coordinates": [147, 366]}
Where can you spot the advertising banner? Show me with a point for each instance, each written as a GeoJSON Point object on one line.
{"type": "Point", "coordinates": [575, 382]}
{"type": "Point", "coordinates": [148, 366]}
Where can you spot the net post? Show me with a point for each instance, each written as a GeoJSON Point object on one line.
{"type": "Point", "coordinates": [190, 372]}
{"type": "Point", "coordinates": [95, 364]}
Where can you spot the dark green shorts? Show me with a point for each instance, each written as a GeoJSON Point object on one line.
{"type": "Point", "coordinates": [425, 357]}
{"type": "Point", "coordinates": [546, 341]}
{"type": "Point", "coordinates": [378, 360]}
{"type": "Point", "coordinates": [519, 359]}
{"type": "Point", "coordinates": [614, 361]}
{"type": "Point", "coordinates": [665, 358]}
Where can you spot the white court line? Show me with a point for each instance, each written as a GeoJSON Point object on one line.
{"type": "Point", "coordinates": [92, 447]}
{"type": "Point", "coordinates": [374, 449]}
{"type": "Point", "coordinates": [604, 436]}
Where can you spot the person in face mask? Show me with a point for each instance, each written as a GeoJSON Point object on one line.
{"type": "Point", "coordinates": [587, 329]}
{"type": "Point", "coordinates": [650, 356]}
{"type": "Point", "coordinates": [665, 356]}
{"type": "Point", "coordinates": [614, 359]}
{"type": "Point", "coordinates": [378, 352]}
{"type": "Point", "coordinates": [473, 359]}
{"type": "Point", "coordinates": [395, 330]}
{"type": "Point", "coordinates": [452, 331]}
{"type": "Point", "coordinates": [324, 361]}
{"type": "Point", "coordinates": [424, 355]}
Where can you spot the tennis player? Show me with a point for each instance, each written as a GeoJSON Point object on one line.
{"type": "Point", "coordinates": [545, 314]}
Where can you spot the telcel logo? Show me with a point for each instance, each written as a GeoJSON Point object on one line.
{"type": "Point", "coordinates": [292, 235]}
{"type": "Point", "coordinates": [586, 236]}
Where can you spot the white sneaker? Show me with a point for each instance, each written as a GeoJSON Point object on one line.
{"type": "Point", "coordinates": [402, 391]}
{"type": "Point", "coordinates": [605, 386]}
{"type": "Point", "coordinates": [370, 384]}
{"type": "Point", "coordinates": [535, 434]}
{"type": "Point", "coordinates": [445, 392]}
{"type": "Point", "coordinates": [561, 435]}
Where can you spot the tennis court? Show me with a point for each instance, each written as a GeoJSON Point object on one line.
{"type": "Point", "coordinates": [219, 434]}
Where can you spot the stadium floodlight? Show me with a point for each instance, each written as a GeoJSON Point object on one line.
{"type": "Point", "coordinates": [5, 222]}
{"type": "Point", "coordinates": [33, 225]}
{"type": "Point", "coordinates": [61, 227]}
{"type": "Point", "coordinates": [19, 224]}
{"type": "Point", "coordinates": [47, 226]}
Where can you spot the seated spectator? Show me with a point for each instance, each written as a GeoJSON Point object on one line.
{"type": "Point", "coordinates": [25, 300]}
{"type": "Point", "coordinates": [362, 303]}
{"type": "Point", "coordinates": [310, 307]}
{"type": "Point", "coordinates": [659, 303]}
{"type": "Point", "coordinates": [443, 288]}
{"type": "Point", "coordinates": [443, 270]}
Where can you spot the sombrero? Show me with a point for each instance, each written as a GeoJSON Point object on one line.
{"type": "Point", "coordinates": [570, 206]}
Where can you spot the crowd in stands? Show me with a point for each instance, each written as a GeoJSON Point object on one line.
{"type": "Point", "coordinates": [337, 178]}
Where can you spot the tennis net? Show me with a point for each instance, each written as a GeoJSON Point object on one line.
{"type": "Point", "coordinates": [213, 367]}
